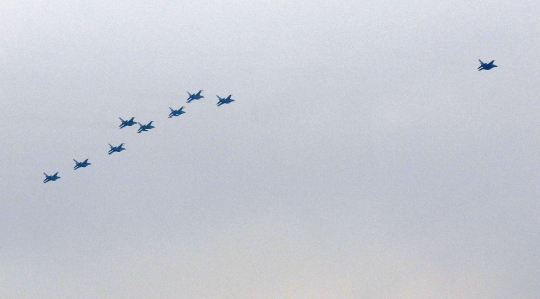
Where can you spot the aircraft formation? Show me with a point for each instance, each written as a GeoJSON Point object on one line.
{"type": "Point", "coordinates": [142, 128]}
{"type": "Point", "coordinates": [192, 96]}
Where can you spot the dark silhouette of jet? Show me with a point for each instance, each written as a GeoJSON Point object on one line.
{"type": "Point", "coordinates": [53, 177]}
{"type": "Point", "coordinates": [116, 148]}
{"type": "Point", "coordinates": [176, 112]}
{"type": "Point", "coordinates": [226, 100]}
{"type": "Point", "coordinates": [81, 164]}
{"type": "Point", "coordinates": [127, 123]}
{"type": "Point", "coordinates": [195, 96]}
{"type": "Point", "coordinates": [486, 66]}
{"type": "Point", "coordinates": [144, 128]}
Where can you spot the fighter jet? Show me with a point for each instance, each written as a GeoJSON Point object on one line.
{"type": "Point", "coordinates": [116, 148]}
{"type": "Point", "coordinates": [144, 128]}
{"type": "Point", "coordinates": [53, 177]}
{"type": "Point", "coordinates": [486, 66]}
{"type": "Point", "coordinates": [195, 96]}
{"type": "Point", "coordinates": [81, 164]}
{"type": "Point", "coordinates": [176, 112]}
{"type": "Point", "coordinates": [226, 100]}
{"type": "Point", "coordinates": [127, 123]}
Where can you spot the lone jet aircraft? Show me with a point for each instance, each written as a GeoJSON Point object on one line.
{"type": "Point", "coordinates": [486, 66]}
{"type": "Point", "coordinates": [195, 96]}
{"type": "Point", "coordinates": [81, 164]}
{"type": "Point", "coordinates": [127, 123]}
{"type": "Point", "coordinates": [116, 148]}
{"type": "Point", "coordinates": [144, 128]}
{"type": "Point", "coordinates": [226, 100]}
{"type": "Point", "coordinates": [176, 112]}
{"type": "Point", "coordinates": [53, 177]}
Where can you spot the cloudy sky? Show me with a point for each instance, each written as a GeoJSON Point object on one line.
{"type": "Point", "coordinates": [364, 156]}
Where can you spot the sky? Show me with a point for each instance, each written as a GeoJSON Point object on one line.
{"type": "Point", "coordinates": [364, 155]}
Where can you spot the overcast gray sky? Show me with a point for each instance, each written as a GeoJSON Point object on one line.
{"type": "Point", "coordinates": [364, 156]}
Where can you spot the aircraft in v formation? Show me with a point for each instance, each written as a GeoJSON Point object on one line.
{"type": "Point", "coordinates": [48, 178]}
{"type": "Point", "coordinates": [195, 96]}
{"type": "Point", "coordinates": [486, 66]}
{"type": "Point", "coordinates": [81, 164]}
{"type": "Point", "coordinates": [176, 112]}
{"type": "Point", "coordinates": [143, 128]}
{"type": "Point", "coordinates": [116, 149]}
{"type": "Point", "coordinates": [226, 100]}
{"type": "Point", "coordinates": [127, 123]}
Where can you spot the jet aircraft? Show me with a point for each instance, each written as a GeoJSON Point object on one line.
{"type": "Point", "coordinates": [144, 128]}
{"type": "Point", "coordinates": [226, 100]}
{"type": "Point", "coordinates": [195, 96]}
{"type": "Point", "coordinates": [127, 123]}
{"type": "Point", "coordinates": [81, 164]}
{"type": "Point", "coordinates": [116, 148]}
{"type": "Point", "coordinates": [486, 66]}
{"type": "Point", "coordinates": [53, 177]}
{"type": "Point", "coordinates": [176, 112]}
